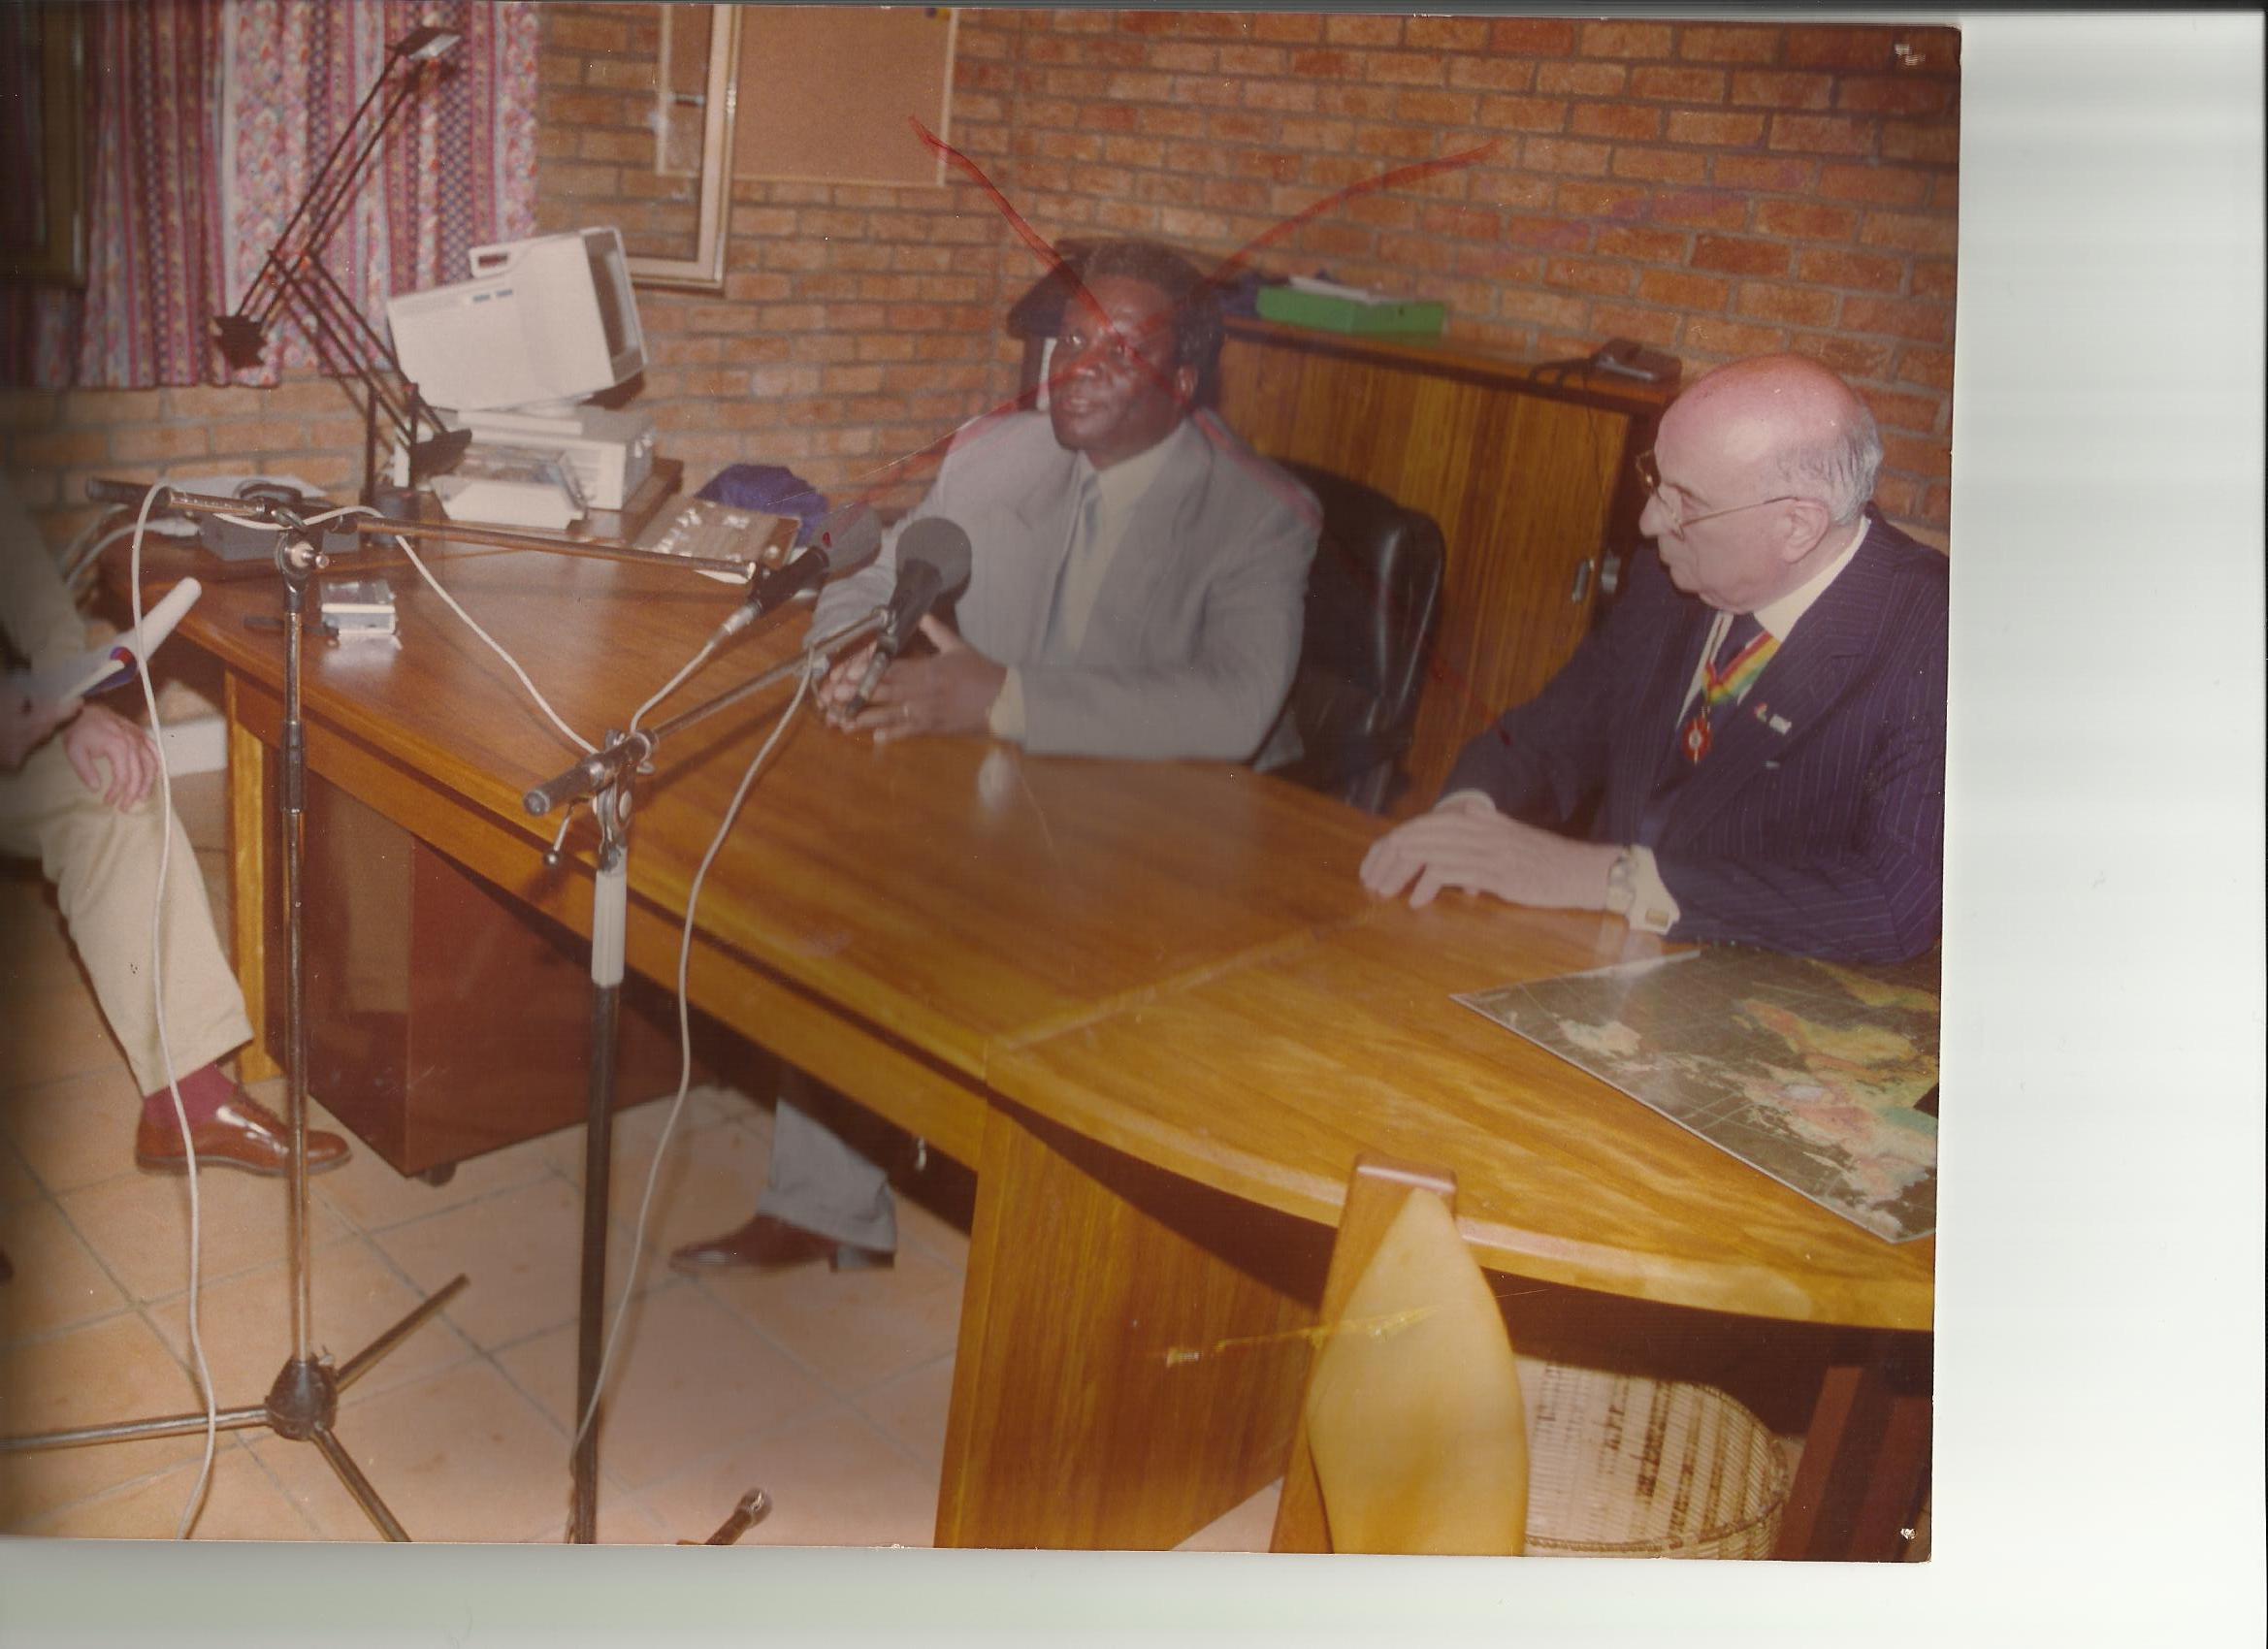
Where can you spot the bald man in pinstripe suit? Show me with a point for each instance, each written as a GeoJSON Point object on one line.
{"type": "Point", "coordinates": [1759, 725]}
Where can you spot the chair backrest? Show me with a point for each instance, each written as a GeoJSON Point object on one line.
{"type": "Point", "coordinates": [1411, 1436]}
{"type": "Point", "coordinates": [1373, 605]}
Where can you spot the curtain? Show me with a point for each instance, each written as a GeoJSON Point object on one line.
{"type": "Point", "coordinates": [153, 93]}
{"type": "Point", "coordinates": [206, 120]}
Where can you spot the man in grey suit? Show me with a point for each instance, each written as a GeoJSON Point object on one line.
{"type": "Point", "coordinates": [1137, 589]}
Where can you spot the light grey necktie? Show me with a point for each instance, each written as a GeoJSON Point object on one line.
{"type": "Point", "coordinates": [1085, 523]}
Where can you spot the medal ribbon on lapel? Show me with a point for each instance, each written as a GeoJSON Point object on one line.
{"type": "Point", "coordinates": [1725, 686]}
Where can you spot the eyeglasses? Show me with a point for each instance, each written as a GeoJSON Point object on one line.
{"type": "Point", "coordinates": [1651, 479]}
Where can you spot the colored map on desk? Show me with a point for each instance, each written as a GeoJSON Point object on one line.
{"type": "Point", "coordinates": [1805, 1070]}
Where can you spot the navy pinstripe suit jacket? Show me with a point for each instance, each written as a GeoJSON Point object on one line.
{"type": "Point", "coordinates": [1816, 823]}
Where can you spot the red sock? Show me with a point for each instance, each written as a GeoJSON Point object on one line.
{"type": "Point", "coordinates": [204, 1092]}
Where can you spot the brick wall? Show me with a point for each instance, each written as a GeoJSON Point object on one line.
{"type": "Point", "coordinates": [1715, 190]}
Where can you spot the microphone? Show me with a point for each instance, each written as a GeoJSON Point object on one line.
{"type": "Point", "coordinates": [932, 563]}
{"type": "Point", "coordinates": [852, 539]}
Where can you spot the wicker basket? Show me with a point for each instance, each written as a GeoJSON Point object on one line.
{"type": "Point", "coordinates": [1624, 1467]}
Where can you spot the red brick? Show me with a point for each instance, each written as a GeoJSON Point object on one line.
{"type": "Point", "coordinates": [1417, 251]}
{"type": "Point", "coordinates": [1700, 208]}
{"type": "Point", "coordinates": [149, 442]}
{"type": "Point", "coordinates": [1550, 234]}
{"type": "Point", "coordinates": [1922, 320]}
{"type": "Point", "coordinates": [1852, 357]}
{"type": "Point", "coordinates": [1182, 60]}
{"type": "Point", "coordinates": [1559, 155]}
{"type": "Point", "coordinates": [1495, 74]}
{"type": "Point", "coordinates": [1740, 257]}
{"type": "Point", "coordinates": [1898, 497]}
{"type": "Point", "coordinates": [1522, 191]}
{"type": "Point", "coordinates": [1795, 305]}
{"type": "Point", "coordinates": [1730, 340]}
{"type": "Point", "coordinates": [1917, 455]}
{"type": "Point", "coordinates": [1337, 239]}
{"type": "Point", "coordinates": [1909, 234]}
{"type": "Point", "coordinates": [1682, 291]}
{"type": "Point", "coordinates": [1804, 220]}
{"type": "Point", "coordinates": [1289, 27]}
{"type": "Point", "coordinates": [1254, 59]}
{"type": "Point", "coordinates": [1546, 308]}
{"type": "Point", "coordinates": [1895, 409]}
{"type": "Point", "coordinates": [1381, 211]}
{"type": "Point", "coordinates": [571, 30]}
{"type": "Point", "coordinates": [1582, 275]}
{"type": "Point", "coordinates": [1718, 131]}
{"type": "Point", "coordinates": [1615, 120]}
{"type": "Point", "coordinates": [1774, 174]}
{"type": "Point", "coordinates": [57, 449]}
{"type": "Point", "coordinates": [1703, 44]}
{"type": "Point", "coordinates": [1678, 85]}
{"type": "Point", "coordinates": [1464, 222]}
{"type": "Point", "coordinates": [1932, 144]}
{"type": "Point", "coordinates": [1326, 65]}
{"type": "Point", "coordinates": [1176, 122]}
{"type": "Point", "coordinates": [1602, 200]}
{"type": "Point", "coordinates": [1821, 134]}
{"type": "Point", "coordinates": [1623, 40]}
{"type": "Point", "coordinates": [1436, 108]}
{"type": "Point", "coordinates": [1531, 37]}
{"type": "Point", "coordinates": [1935, 280]}
{"type": "Point", "coordinates": [1813, 46]}
{"type": "Point", "coordinates": [1524, 114]}
{"type": "Point", "coordinates": [1930, 367]}
{"type": "Point", "coordinates": [1360, 30]}
{"type": "Point", "coordinates": [1777, 90]}
{"type": "Point", "coordinates": [1395, 142]}
{"type": "Point", "coordinates": [1657, 327]}
{"type": "Point", "coordinates": [1583, 79]}
{"type": "Point", "coordinates": [1945, 193]}
{"type": "Point", "coordinates": [1647, 246]}
{"type": "Point", "coordinates": [1661, 165]}
{"type": "Point", "coordinates": [1876, 185]}
{"type": "Point", "coordinates": [1404, 67]}
{"type": "Point", "coordinates": [1371, 103]}
{"type": "Point", "coordinates": [1446, 34]}
{"type": "Point", "coordinates": [1893, 94]}
{"type": "Point", "coordinates": [131, 405]}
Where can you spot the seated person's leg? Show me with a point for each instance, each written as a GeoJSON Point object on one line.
{"type": "Point", "coordinates": [104, 862]}
{"type": "Point", "coordinates": [823, 1197]}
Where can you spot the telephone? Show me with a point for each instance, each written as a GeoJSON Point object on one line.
{"type": "Point", "coordinates": [1626, 357]}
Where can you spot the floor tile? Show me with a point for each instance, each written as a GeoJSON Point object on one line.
{"type": "Point", "coordinates": [912, 1410]}
{"type": "Point", "coordinates": [51, 1032]}
{"type": "Point", "coordinates": [242, 1502]}
{"type": "Point", "coordinates": [834, 1482]}
{"type": "Point", "coordinates": [58, 1281]}
{"type": "Point", "coordinates": [918, 1227]}
{"type": "Point", "coordinates": [521, 1249]}
{"type": "Point", "coordinates": [367, 1193]}
{"type": "Point", "coordinates": [855, 1329]}
{"type": "Point", "coordinates": [75, 1131]}
{"type": "Point", "coordinates": [638, 1126]}
{"type": "Point", "coordinates": [688, 1378]}
{"type": "Point", "coordinates": [244, 1323]}
{"type": "Point", "coordinates": [709, 1184]}
{"type": "Point", "coordinates": [17, 1184]}
{"type": "Point", "coordinates": [138, 1226]}
{"type": "Point", "coordinates": [111, 1372]}
{"type": "Point", "coordinates": [461, 1456]}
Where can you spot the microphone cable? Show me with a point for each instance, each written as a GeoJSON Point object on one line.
{"type": "Point", "coordinates": [684, 1044]}
{"type": "Point", "coordinates": [203, 1370]}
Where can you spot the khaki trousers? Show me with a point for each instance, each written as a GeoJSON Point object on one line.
{"type": "Point", "coordinates": [104, 865]}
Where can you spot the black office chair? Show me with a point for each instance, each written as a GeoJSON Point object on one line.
{"type": "Point", "coordinates": [1374, 602]}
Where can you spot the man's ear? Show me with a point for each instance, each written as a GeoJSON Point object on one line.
{"type": "Point", "coordinates": [1184, 382]}
{"type": "Point", "coordinates": [1806, 522]}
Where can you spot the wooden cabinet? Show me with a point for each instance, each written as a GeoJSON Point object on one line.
{"type": "Point", "coordinates": [1529, 479]}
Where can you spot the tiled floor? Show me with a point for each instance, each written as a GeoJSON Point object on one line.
{"type": "Point", "coordinates": [829, 1391]}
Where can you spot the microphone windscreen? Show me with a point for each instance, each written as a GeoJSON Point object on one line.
{"type": "Point", "coordinates": [942, 545]}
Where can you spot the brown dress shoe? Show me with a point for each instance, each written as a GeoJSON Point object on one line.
{"type": "Point", "coordinates": [768, 1244]}
{"type": "Point", "coordinates": [242, 1134]}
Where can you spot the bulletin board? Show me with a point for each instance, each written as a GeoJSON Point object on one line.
{"type": "Point", "coordinates": [824, 92]}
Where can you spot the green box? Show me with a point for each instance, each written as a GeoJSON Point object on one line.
{"type": "Point", "coordinates": [1347, 314]}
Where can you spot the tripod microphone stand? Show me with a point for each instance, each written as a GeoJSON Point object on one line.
{"type": "Point", "coordinates": [303, 1401]}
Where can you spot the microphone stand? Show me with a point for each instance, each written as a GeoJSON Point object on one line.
{"type": "Point", "coordinates": [606, 776]}
{"type": "Point", "coordinates": [301, 1403]}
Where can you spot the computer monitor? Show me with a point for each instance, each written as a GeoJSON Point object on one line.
{"type": "Point", "coordinates": [542, 324]}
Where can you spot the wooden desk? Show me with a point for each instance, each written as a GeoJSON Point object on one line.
{"type": "Point", "coordinates": [1150, 1004]}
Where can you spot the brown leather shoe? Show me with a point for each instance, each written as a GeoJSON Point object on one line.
{"type": "Point", "coordinates": [768, 1244]}
{"type": "Point", "coordinates": [242, 1134]}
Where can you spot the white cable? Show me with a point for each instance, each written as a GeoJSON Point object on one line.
{"type": "Point", "coordinates": [684, 1043]}
{"type": "Point", "coordinates": [165, 1049]}
{"type": "Point", "coordinates": [692, 664]}
{"type": "Point", "coordinates": [541, 704]}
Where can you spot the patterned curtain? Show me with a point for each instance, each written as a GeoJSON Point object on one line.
{"type": "Point", "coordinates": [152, 94]}
{"type": "Point", "coordinates": [207, 118]}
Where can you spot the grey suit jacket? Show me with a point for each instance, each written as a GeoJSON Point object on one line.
{"type": "Point", "coordinates": [1194, 635]}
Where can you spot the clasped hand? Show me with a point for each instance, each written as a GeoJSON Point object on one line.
{"type": "Point", "coordinates": [112, 755]}
{"type": "Point", "coordinates": [950, 693]}
{"type": "Point", "coordinates": [1466, 843]}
